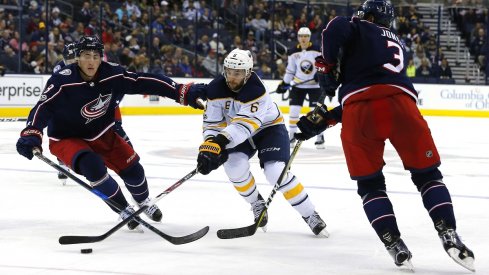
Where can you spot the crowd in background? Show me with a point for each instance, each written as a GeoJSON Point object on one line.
{"type": "Point", "coordinates": [184, 38]}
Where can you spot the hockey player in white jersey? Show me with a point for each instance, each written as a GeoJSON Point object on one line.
{"type": "Point", "coordinates": [240, 120]}
{"type": "Point", "coordinates": [299, 80]}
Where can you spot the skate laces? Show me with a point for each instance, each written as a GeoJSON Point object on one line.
{"type": "Point", "coordinates": [128, 211]}
{"type": "Point", "coordinates": [151, 209]}
{"type": "Point", "coordinates": [257, 207]}
{"type": "Point", "coordinates": [314, 220]}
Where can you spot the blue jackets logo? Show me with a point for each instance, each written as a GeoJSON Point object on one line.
{"type": "Point", "coordinates": [96, 108]}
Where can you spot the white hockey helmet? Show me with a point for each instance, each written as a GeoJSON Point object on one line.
{"type": "Point", "coordinates": [304, 31]}
{"type": "Point", "coordinates": [239, 60]}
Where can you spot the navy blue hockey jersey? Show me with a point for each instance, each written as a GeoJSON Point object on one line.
{"type": "Point", "coordinates": [60, 65]}
{"type": "Point", "coordinates": [72, 107]}
{"type": "Point", "coordinates": [371, 54]}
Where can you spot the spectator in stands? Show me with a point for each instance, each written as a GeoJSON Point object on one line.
{"type": "Point", "coordinates": [86, 13]}
{"type": "Point", "coordinates": [444, 70]}
{"type": "Point", "coordinates": [9, 59]}
{"type": "Point", "coordinates": [411, 68]}
{"type": "Point", "coordinates": [424, 70]}
{"type": "Point", "coordinates": [183, 68]}
{"type": "Point", "coordinates": [211, 63]}
{"type": "Point", "coordinates": [260, 26]}
{"type": "Point", "coordinates": [476, 46]}
{"type": "Point", "coordinates": [191, 13]}
{"type": "Point", "coordinates": [213, 45]}
{"type": "Point", "coordinates": [203, 46]}
{"type": "Point", "coordinates": [55, 18]}
{"type": "Point", "coordinates": [132, 8]}
{"type": "Point", "coordinates": [113, 53]}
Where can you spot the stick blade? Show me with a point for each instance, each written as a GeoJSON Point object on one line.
{"type": "Point", "coordinates": [188, 238]}
{"type": "Point", "coordinates": [79, 239]}
{"type": "Point", "coordinates": [234, 233]}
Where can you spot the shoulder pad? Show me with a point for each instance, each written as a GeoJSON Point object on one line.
{"type": "Point", "coordinates": [218, 88]}
{"type": "Point", "coordinates": [293, 50]}
{"type": "Point", "coordinates": [252, 90]}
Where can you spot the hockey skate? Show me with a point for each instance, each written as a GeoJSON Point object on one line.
{"type": "Point", "coordinates": [317, 225]}
{"type": "Point", "coordinates": [257, 208]}
{"type": "Point", "coordinates": [454, 246]}
{"type": "Point", "coordinates": [62, 177]}
{"type": "Point", "coordinates": [132, 225]}
{"type": "Point", "coordinates": [153, 212]}
{"type": "Point", "coordinates": [400, 253]}
{"type": "Point", "coordinates": [320, 142]}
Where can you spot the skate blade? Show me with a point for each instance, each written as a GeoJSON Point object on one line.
{"type": "Point", "coordinates": [320, 146]}
{"type": "Point", "coordinates": [137, 229]}
{"type": "Point", "coordinates": [63, 182]}
{"type": "Point", "coordinates": [468, 262]}
{"type": "Point", "coordinates": [264, 228]}
{"type": "Point", "coordinates": [407, 265]}
{"type": "Point", "coordinates": [323, 234]}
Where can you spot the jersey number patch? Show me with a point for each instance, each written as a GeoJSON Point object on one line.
{"type": "Point", "coordinates": [399, 56]}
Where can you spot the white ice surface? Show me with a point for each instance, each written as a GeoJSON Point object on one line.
{"type": "Point", "coordinates": [35, 210]}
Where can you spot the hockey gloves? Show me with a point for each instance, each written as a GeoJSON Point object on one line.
{"type": "Point", "coordinates": [326, 76]}
{"type": "Point", "coordinates": [315, 122]}
{"type": "Point", "coordinates": [212, 154]}
{"type": "Point", "coordinates": [192, 94]}
{"type": "Point", "coordinates": [282, 88]}
{"type": "Point", "coordinates": [30, 138]}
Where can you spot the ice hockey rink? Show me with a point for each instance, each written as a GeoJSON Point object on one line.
{"type": "Point", "coordinates": [35, 210]}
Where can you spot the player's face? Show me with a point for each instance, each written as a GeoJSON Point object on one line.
{"type": "Point", "coordinates": [304, 39]}
{"type": "Point", "coordinates": [235, 78]}
{"type": "Point", "coordinates": [89, 61]}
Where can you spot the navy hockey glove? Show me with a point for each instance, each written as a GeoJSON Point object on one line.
{"type": "Point", "coordinates": [326, 76]}
{"type": "Point", "coordinates": [212, 154]}
{"type": "Point", "coordinates": [192, 94]}
{"type": "Point", "coordinates": [120, 131]}
{"type": "Point", "coordinates": [314, 123]}
{"type": "Point", "coordinates": [282, 88]}
{"type": "Point", "coordinates": [30, 138]}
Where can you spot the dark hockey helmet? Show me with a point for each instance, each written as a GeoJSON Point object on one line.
{"type": "Point", "coordinates": [381, 10]}
{"type": "Point", "coordinates": [69, 51]}
{"type": "Point", "coordinates": [89, 43]}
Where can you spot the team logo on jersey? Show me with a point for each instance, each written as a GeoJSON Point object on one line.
{"type": "Point", "coordinates": [96, 108]}
{"type": "Point", "coordinates": [65, 72]}
{"type": "Point", "coordinates": [307, 67]}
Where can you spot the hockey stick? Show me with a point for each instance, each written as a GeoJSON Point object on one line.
{"type": "Point", "coordinates": [89, 239]}
{"type": "Point", "coordinates": [295, 84]}
{"type": "Point", "coordinates": [250, 230]}
{"type": "Point", "coordinates": [12, 119]}
{"type": "Point", "coordinates": [175, 240]}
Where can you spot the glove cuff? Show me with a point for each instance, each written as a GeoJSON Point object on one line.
{"type": "Point", "coordinates": [31, 131]}
{"type": "Point", "coordinates": [182, 93]}
{"type": "Point", "coordinates": [322, 66]}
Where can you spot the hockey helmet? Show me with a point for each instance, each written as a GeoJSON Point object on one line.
{"type": "Point", "coordinates": [69, 52]}
{"type": "Point", "coordinates": [381, 10]}
{"type": "Point", "coordinates": [239, 60]}
{"type": "Point", "coordinates": [89, 43]}
{"type": "Point", "coordinates": [304, 31]}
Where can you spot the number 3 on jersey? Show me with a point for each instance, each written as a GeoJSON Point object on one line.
{"type": "Point", "coordinates": [399, 56]}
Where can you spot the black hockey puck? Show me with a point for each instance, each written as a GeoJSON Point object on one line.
{"type": "Point", "coordinates": [86, 250]}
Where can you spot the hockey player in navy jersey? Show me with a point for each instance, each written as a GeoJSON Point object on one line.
{"type": "Point", "coordinates": [378, 102]}
{"type": "Point", "coordinates": [68, 57]}
{"type": "Point", "coordinates": [78, 106]}
{"type": "Point", "coordinates": [300, 81]}
{"type": "Point", "coordinates": [241, 120]}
